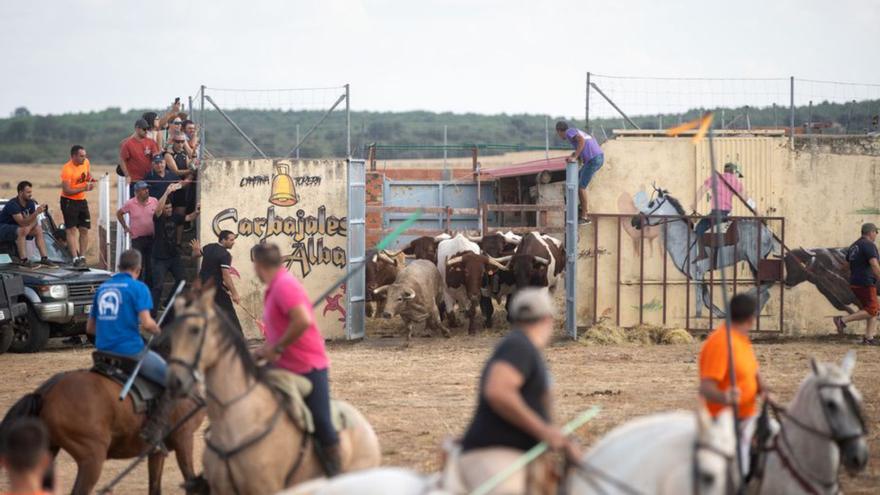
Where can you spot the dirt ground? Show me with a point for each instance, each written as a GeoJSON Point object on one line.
{"type": "Point", "coordinates": [418, 394]}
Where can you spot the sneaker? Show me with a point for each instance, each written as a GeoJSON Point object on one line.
{"type": "Point", "coordinates": [839, 325]}
{"type": "Point", "coordinates": [25, 262]}
{"type": "Point", "coordinates": [867, 341]}
{"type": "Point", "coordinates": [46, 261]}
{"type": "Point", "coordinates": [79, 262]}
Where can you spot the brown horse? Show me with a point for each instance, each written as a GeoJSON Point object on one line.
{"type": "Point", "coordinates": [254, 446]}
{"type": "Point", "coordinates": [85, 417]}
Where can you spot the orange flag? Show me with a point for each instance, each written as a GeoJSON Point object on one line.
{"type": "Point", "coordinates": [701, 124]}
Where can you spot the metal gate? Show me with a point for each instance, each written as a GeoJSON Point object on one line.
{"type": "Point", "coordinates": [354, 322]}
{"type": "Point", "coordinates": [434, 196]}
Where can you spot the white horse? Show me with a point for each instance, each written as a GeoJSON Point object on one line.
{"type": "Point", "coordinates": [376, 481]}
{"type": "Point", "coordinates": [675, 453]}
{"type": "Point", "coordinates": [821, 429]}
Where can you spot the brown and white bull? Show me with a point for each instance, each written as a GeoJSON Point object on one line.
{"type": "Point", "coordinates": [415, 296]}
{"type": "Point", "coordinates": [382, 269]}
{"type": "Point", "coordinates": [425, 247]}
{"type": "Point", "coordinates": [538, 261]}
{"type": "Point", "coordinates": [466, 273]}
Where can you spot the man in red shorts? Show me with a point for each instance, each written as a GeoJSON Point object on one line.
{"type": "Point", "coordinates": [864, 269]}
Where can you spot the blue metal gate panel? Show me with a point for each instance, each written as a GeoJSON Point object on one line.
{"type": "Point", "coordinates": [355, 288]}
{"type": "Point", "coordinates": [445, 194]}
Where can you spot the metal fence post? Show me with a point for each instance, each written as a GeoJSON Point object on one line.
{"type": "Point", "coordinates": [587, 108]}
{"type": "Point", "coordinates": [571, 248]}
{"type": "Point", "coordinates": [791, 115]}
{"type": "Point", "coordinates": [202, 142]}
{"type": "Point", "coordinates": [547, 137]}
{"type": "Point", "coordinates": [356, 239]}
{"type": "Point", "coordinates": [348, 120]}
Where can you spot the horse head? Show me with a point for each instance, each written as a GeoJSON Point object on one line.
{"type": "Point", "coordinates": [656, 209]}
{"type": "Point", "coordinates": [195, 341]}
{"type": "Point", "coordinates": [831, 406]}
{"type": "Point", "coordinates": [715, 465]}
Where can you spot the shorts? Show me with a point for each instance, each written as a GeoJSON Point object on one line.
{"type": "Point", "coordinates": [8, 232]}
{"type": "Point", "coordinates": [178, 198]}
{"type": "Point", "coordinates": [76, 213]}
{"type": "Point", "coordinates": [867, 297]}
{"type": "Point", "coordinates": [589, 169]}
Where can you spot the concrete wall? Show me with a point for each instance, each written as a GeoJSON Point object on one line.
{"type": "Point", "coordinates": [823, 193]}
{"type": "Point", "coordinates": [310, 229]}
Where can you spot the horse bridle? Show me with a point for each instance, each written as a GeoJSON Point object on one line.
{"type": "Point", "coordinates": [801, 476]}
{"type": "Point", "coordinates": [730, 467]}
{"type": "Point", "coordinates": [661, 200]}
{"type": "Point", "coordinates": [227, 454]}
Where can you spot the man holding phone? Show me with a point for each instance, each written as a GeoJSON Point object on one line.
{"type": "Point", "coordinates": [19, 220]}
{"type": "Point", "coordinates": [76, 181]}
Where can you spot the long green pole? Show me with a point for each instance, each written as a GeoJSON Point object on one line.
{"type": "Point", "coordinates": [534, 453]}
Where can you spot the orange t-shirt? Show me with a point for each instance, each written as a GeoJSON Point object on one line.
{"type": "Point", "coordinates": [75, 176]}
{"type": "Point", "coordinates": [714, 365]}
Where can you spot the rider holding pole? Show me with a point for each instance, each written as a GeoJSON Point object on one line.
{"type": "Point", "coordinates": [294, 343]}
{"type": "Point", "coordinates": [120, 308]}
{"type": "Point", "coordinates": [714, 371]}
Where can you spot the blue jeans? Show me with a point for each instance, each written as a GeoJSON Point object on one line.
{"type": "Point", "coordinates": [589, 169]}
{"type": "Point", "coordinates": [705, 222]}
{"type": "Point", "coordinates": [318, 403]}
{"type": "Point", "coordinates": [154, 368]}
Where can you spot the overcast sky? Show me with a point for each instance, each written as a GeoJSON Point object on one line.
{"type": "Point", "coordinates": [486, 56]}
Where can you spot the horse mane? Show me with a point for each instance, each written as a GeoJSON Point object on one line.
{"type": "Point", "coordinates": [232, 339]}
{"type": "Point", "coordinates": [678, 208]}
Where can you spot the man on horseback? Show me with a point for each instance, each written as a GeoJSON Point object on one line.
{"type": "Point", "coordinates": [728, 183]}
{"type": "Point", "coordinates": [120, 307]}
{"type": "Point", "coordinates": [715, 371]}
{"type": "Point", "coordinates": [513, 410]}
{"type": "Point", "coordinates": [293, 342]}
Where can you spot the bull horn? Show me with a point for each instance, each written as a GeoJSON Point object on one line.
{"type": "Point", "coordinates": [380, 290]}
{"type": "Point", "coordinates": [512, 238]}
{"type": "Point", "coordinates": [387, 259]}
{"type": "Point", "coordinates": [473, 238]}
{"type": "Point", "coordinates": [499, 262]}
{"type": "Point", "coordinates": [409, 294]}
{"type": "Point", "coordinates": [453, 261]}
{"type": "Point", "coordinates": [442, 237]}
{"type": "Point", "coordinates": [391, 253]}
{"type": "Point", "coordinates": [811, 253]}
{"type": "Point", "coordinates": [375, 256]}
{"type": "Point", "coordinates": [543, 261]}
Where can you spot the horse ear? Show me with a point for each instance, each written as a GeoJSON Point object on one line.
{"type": "Point", "coordinates": [207, 296]}
{"type": "Point", "coordinates": [814, 365]}
{"type": "Point", "coordinates": [848, 364]}
{"type": "Point", "coordinates": [704, 421]}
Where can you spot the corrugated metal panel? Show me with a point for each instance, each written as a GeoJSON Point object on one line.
{"type": "Point", "coordinates": [756, 157]}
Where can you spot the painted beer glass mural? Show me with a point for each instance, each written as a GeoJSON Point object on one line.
{"type": "Point", "coordinates": [298, 205]}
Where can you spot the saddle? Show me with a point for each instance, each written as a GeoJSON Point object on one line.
{"type": "Point", "coordinates": [144, 393]}
{"type": "Point", "coordinates": [729, 234]}
{"type": "Point", "coordinates": [293, 390]}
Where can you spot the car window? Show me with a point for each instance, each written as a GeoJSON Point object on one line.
{"type": "Point", "coordinates": [5, 259]}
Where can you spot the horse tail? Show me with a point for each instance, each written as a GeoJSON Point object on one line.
{"type": "Point", "coordinates": [28, 406]}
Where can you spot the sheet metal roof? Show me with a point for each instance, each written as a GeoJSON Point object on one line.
{"type": "Point", "coordinates": [527, 168]}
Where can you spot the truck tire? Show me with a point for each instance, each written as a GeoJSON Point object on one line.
{"type": "Point", "coordinates": [31, 334]}
{"type": "Point", "coordinates": [6, 335]}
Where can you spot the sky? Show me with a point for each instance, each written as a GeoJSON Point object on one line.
{"type": "Point", "coordinates": [483, 56]}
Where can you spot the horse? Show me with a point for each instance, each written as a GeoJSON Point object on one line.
{"type": "Point", "coordinates": [681, 244]}
{"type": "Point", "coordinates": [667, 453]}
{"type": "Point", "coordinates": [254, 445]}
{"type": "Point", "coordinates": [375, 481]}
{"type": "Point", "coordinates": [822, 428]}
{"type": "Point", "coordinates": [84, 417]}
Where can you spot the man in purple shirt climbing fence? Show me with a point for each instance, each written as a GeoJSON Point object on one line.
{"type": "Point", "coordinates": [588, 154]}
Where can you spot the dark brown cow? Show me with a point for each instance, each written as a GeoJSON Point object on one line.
{"type": "Point", "coordinates": [424, 248]}
{"type": "Point", "coordinates": [382, 268]}
{"type": "Point", "coordinates": [496, 245]}
{"type": "Point", "coordinates": [827, 269]}
{"type": "Point", "coordinates": [465, 273]}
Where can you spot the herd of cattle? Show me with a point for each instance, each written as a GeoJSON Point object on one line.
{"type": "Point", "coordinates": [458, 272]}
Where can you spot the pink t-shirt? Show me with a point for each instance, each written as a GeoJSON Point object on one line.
{"type": "Point", "coordinates": [307, 353]}
{"type": "Point", "coordinates": [725, 195]}
{"type": "Point", "coordinates": [140, 216]}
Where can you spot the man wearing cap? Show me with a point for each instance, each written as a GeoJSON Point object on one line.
{"type": "Point", "coordinates": [590, 156]}
{"type": "Point", "coordinates": [160, 177]}
{"type": "Point", "coordinates": [136, 152]}
{"type": "Point", "coordinates": [141, 209]}
{"type": "Point", "coordinates": [864, 270]}
{"type": "Point", "coordinates": [728, 182]}
{"type": "Point", "coordinates": [513, 412]}
{"type": "Point", "coordinates": [76, 181]}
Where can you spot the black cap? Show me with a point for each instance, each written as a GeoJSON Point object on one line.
{"type": "Point", "coordinates": [141, 124]}
{"type": "Point", "coordinates": [868, 228]}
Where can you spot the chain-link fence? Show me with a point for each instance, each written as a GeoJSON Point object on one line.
{"type": "Point", "coordinates": [801, 105]}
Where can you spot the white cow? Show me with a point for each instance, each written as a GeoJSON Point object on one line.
{"type": "Point", "coordinates": [445, 250]}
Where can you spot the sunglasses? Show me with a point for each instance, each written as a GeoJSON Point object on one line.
{"type": "Point", "coordinates": [179, 140]}
{"type": "Point", "coordinates": [177, 122]}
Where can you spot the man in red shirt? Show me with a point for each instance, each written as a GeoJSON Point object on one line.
{"type": "Point", "coordinates": [136, 153]}
{"type": "Point", "coordinates": [293, 342]}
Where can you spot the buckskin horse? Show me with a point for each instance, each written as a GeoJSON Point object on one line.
{"type": "Point", "coordinates": [84, 416]}
{"type": "Point", "coordinates": [256, 443]}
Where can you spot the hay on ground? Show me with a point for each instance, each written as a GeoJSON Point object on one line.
{"type": "Point", "coordinates": [605, 333]}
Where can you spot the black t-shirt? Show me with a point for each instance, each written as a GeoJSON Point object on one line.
{"type": "Point", "coordinates": [214, 259]}
{"type": "Point", "coordinates": [859, 257]}
{"type": "Point", "coordinates": [13, 207]}
{"type": "Point", "coordinates": [488, 429]}
{"type": "Point", "coordinates": [165, 236]}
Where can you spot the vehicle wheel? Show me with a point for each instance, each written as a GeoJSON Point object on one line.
{"type": "Point", "coordinates": [6, 335]}
{"type": "Point", "coordinates": [31, 334]}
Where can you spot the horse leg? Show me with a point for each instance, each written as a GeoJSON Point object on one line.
{"type": "Point", "coordinates": [488, 310]}
{"type": "Point", "coordinates": [88, 470]}
{"type": "Point", "coordinates": [698, 299]}
{"type": "Point", "coordinates": [155, 464]}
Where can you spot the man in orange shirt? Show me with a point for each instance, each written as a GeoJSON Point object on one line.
{"type": "Point", "coordinates": [76, 180]}
{"type": "Point", "coordinates": [24, 454]}
{"type": "Point", "coordinates": [715, 371]}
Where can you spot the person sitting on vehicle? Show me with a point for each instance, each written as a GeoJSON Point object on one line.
{"type": "Point", "coordinates": [513, 412]}
{"type": "Point", "coordinates": [19, 221]}
{"type": "Point", "coordinates": [24, 454]}
{"type": "Point", "coordinates": [120, 307]}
